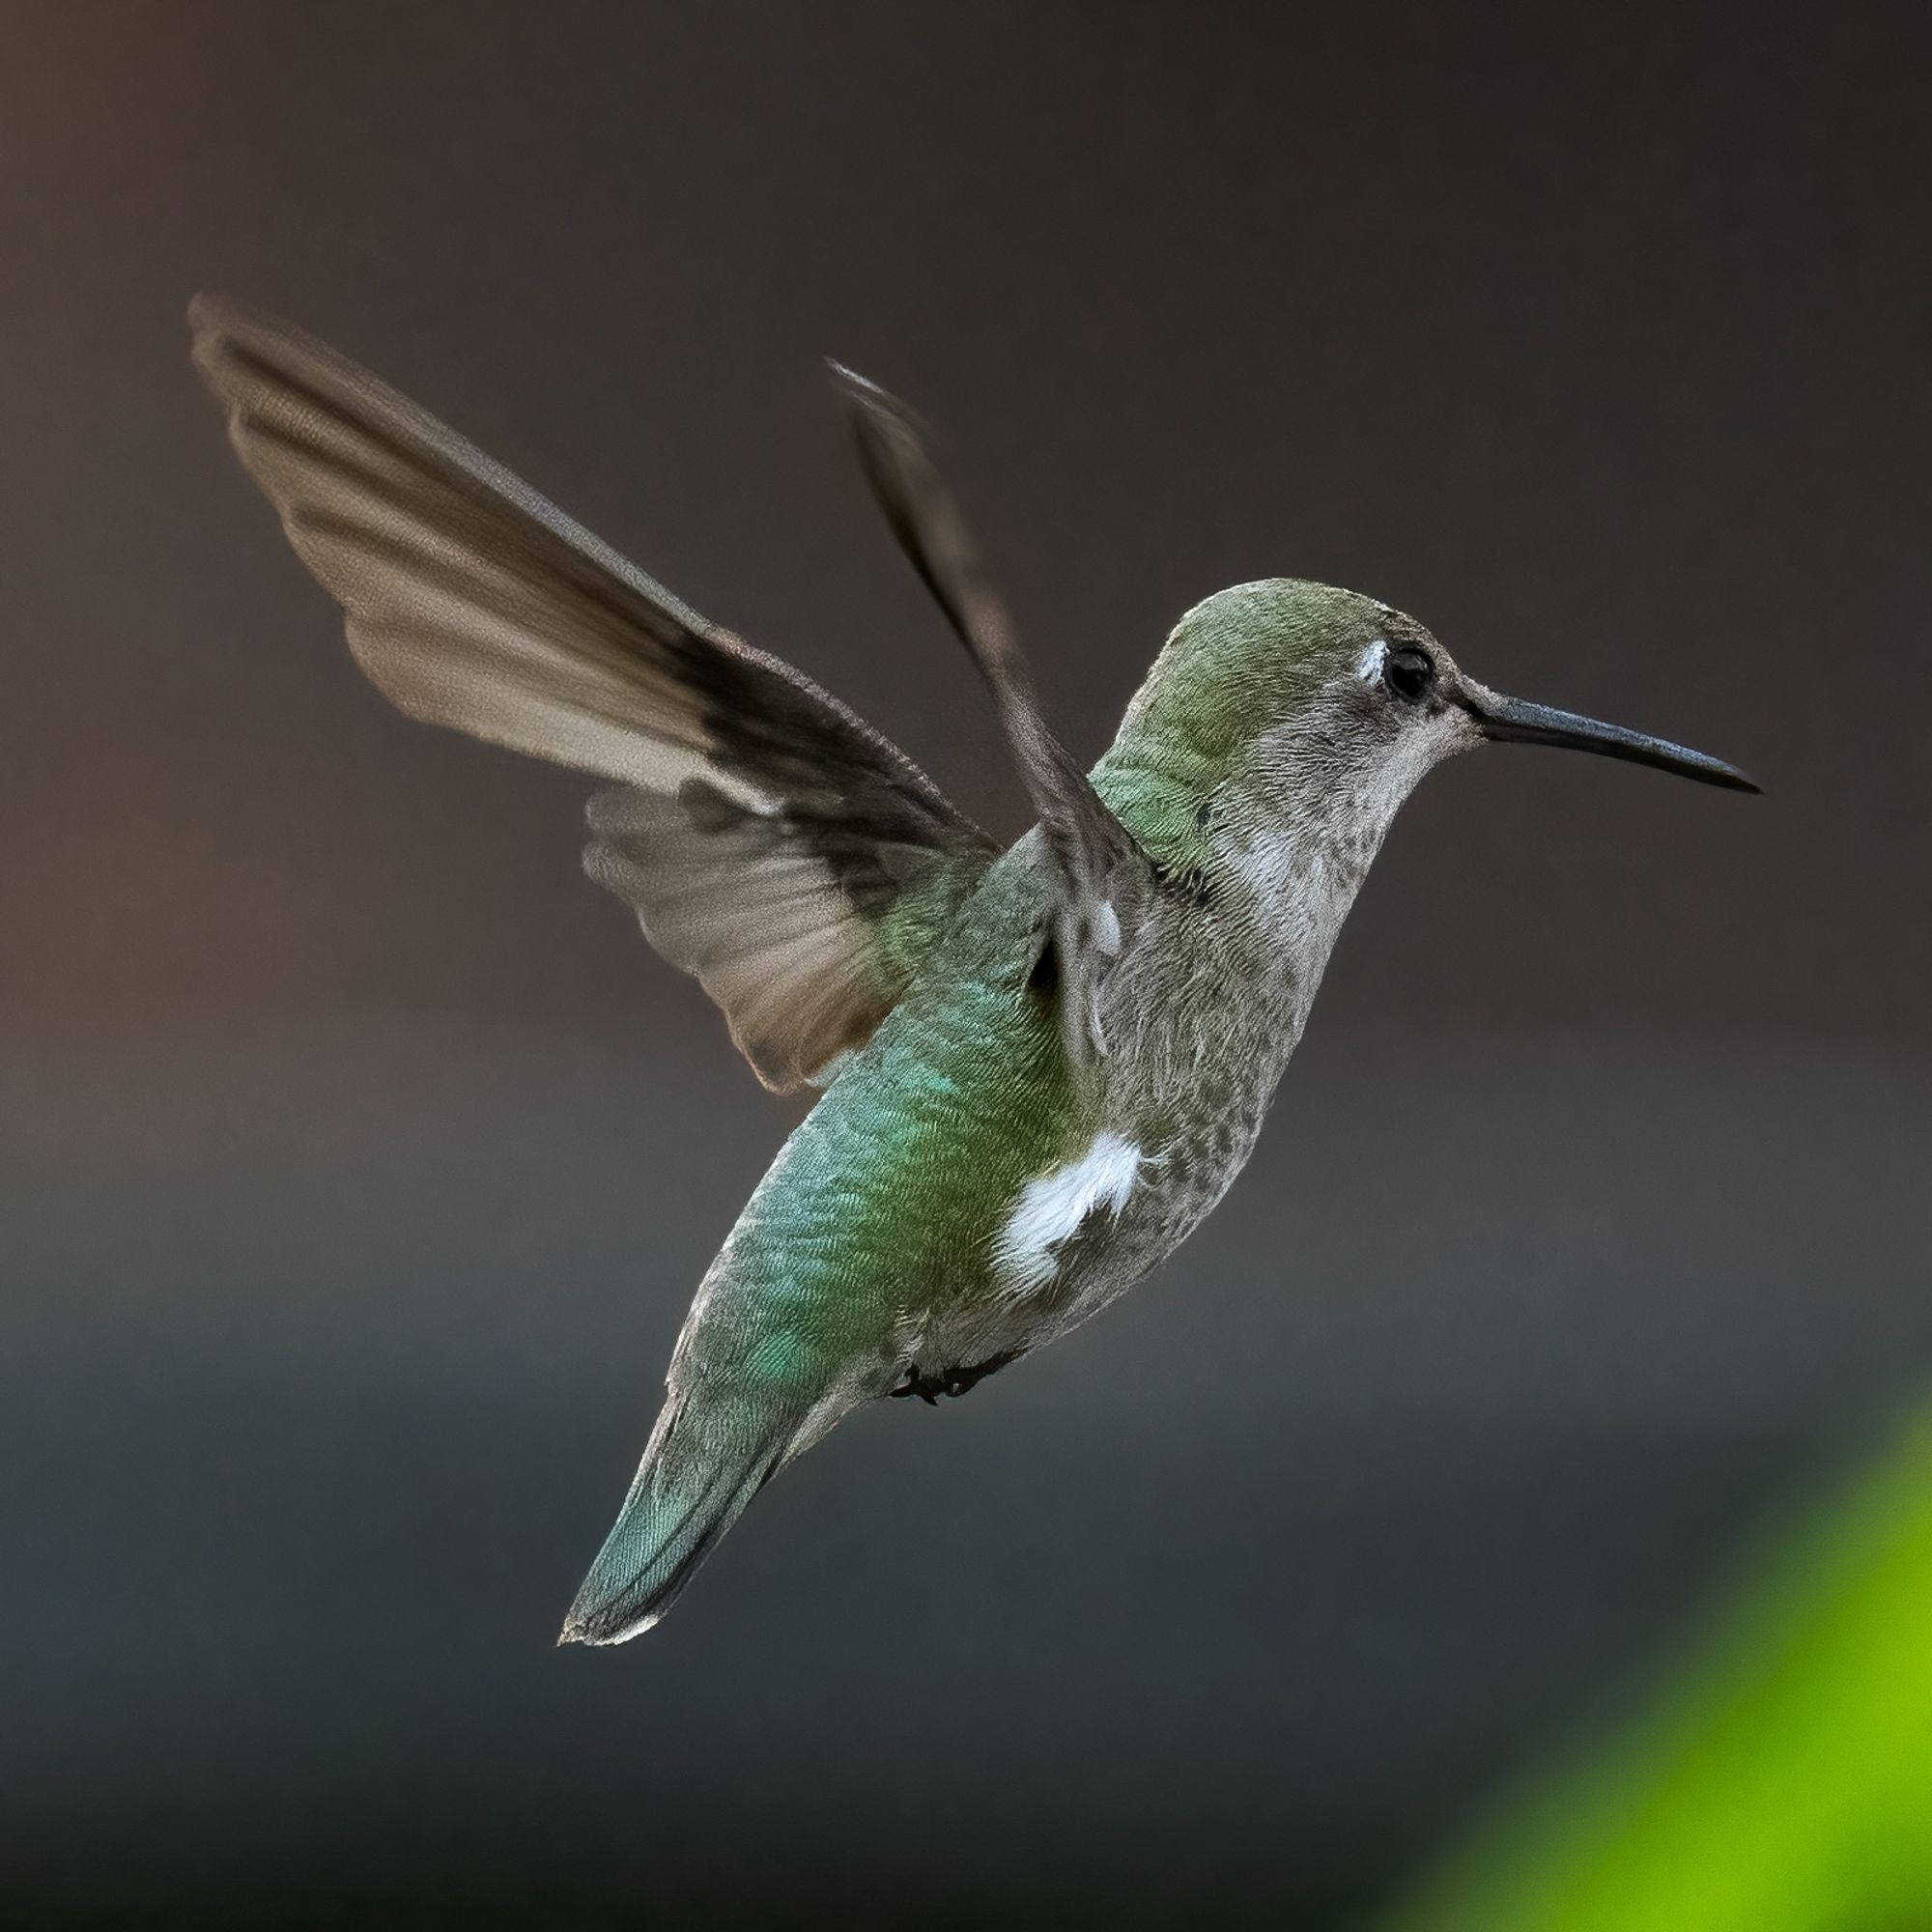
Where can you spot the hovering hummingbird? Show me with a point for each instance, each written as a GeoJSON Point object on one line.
{"type": "Point", "coordinates": [1042, 1066]}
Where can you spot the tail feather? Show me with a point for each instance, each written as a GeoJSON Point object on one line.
{"type": "Point", "coordinates": [693, 1485]}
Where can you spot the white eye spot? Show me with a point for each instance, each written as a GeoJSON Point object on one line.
{"type": "Point", "coordinates": [1368, 666]}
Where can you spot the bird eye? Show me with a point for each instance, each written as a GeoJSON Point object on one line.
{"type": "Point", "coordinates": [1408, 670]}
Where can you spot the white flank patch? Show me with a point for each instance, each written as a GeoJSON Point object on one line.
{"type": "Point", "coordinates": [1052, 1207]}
{"type": "Point", "coordinates": [1370, 665]}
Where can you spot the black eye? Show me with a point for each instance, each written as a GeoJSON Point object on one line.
{"type": "Point", "coordinates": [1408, 670]}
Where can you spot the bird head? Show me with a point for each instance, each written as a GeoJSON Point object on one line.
{"type": "Point", "coordinates": [1292, 695]}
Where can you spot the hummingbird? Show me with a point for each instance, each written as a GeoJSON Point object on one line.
{"type": "Point", "coordinates": [1039, 1068]}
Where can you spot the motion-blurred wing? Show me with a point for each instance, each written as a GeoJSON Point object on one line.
{"type": "Point", "coordinates": [769, 840]}
{"type": "Point", "coordinates": [1101, 873]}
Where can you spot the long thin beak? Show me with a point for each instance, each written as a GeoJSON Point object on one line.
{"type": "Point", "coordinates": [1514, 721]}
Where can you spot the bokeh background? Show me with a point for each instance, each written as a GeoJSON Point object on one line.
{"type": "Point", "coordinates": [358, 1161]}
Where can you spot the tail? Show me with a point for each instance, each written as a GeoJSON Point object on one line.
{"type": "Point", "coordinates": [703, 1464]}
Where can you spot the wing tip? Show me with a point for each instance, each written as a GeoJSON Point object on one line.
{"type": "Point", "coordinates": [214, 319]}
{"type": "Point", "coordinates": [239, 348]}
{"type": "Point", "coordinates": [874, 401]}
{"type": "Point", "coordinates": [209, 328]}
{"type": "Point", "coordinates": [222, 334]}
{"type": "Point", "coordinates": [848, 381]}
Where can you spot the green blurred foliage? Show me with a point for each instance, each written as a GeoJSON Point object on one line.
{"type": "Point", "coordinates": [1782, 1783]}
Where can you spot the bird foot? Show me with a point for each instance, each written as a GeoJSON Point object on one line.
{"type": "Point", "coordinates": [953, 1382]}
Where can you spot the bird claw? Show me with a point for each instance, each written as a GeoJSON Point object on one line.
{"type": "Point", "coordinates": [953, 1382]}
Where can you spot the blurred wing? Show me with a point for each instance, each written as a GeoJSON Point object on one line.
{"type": "Point", "coordinates": [770, 841]}
{"type": "Point", "coordinates": [1101, 874]}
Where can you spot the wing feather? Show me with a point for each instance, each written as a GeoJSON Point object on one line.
{"type": "Point", "coordinates": [1102, 875]}
{"type": "Point", "coordinates": [762, 830]}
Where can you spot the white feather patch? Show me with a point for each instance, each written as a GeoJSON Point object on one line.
{"type": "Point", "coordinates": [1370, 665]}
{"type": "Point", "coordinates": [1053, 1207]}
{"type": "Point", "coordinates": [1107, 929]}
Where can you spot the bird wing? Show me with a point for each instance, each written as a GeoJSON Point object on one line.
{"type": "Point", "coordinates": [1101, 875]}
{"type": "Point", "coordinates": [770, 841]}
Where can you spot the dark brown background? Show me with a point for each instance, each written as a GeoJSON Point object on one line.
{"type": "Point", "coordinates": [358, 1161]}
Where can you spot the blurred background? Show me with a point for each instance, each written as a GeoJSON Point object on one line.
{"type": "Point", "coordinates": [358, 1160]}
